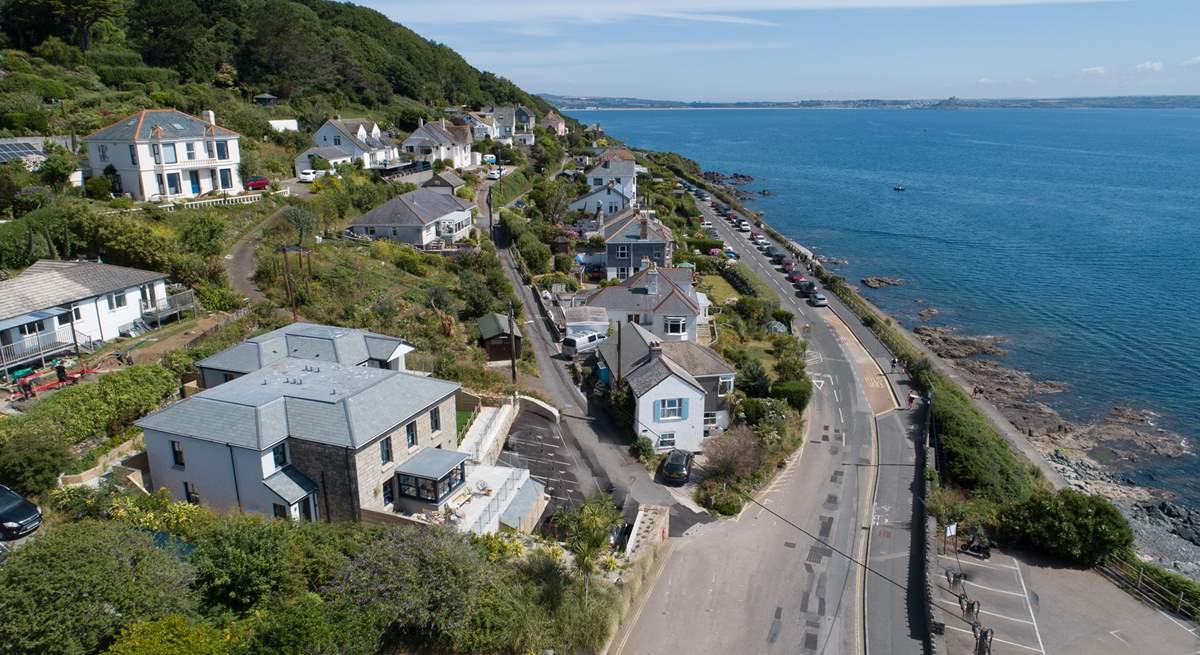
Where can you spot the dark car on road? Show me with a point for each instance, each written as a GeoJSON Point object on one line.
{"type": "Point", "coordinates": [258, 183]}
{"type": "Point", "coordinates": [677, 467]}
{"type": "Point", "coordinates": [18, 517]}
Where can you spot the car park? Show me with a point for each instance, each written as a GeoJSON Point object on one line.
{"type": "Point", "coordinates": [18, 516]}
{"type": "Point", "coordinates": [818, 300]}
{"type": "Point", "coordinates": [677, 467]}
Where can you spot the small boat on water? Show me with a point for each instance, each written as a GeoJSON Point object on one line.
{"type": "Point", "coordinates": [898, 187]}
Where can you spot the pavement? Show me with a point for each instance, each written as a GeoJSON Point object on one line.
{"type": "Point", "coordinates": [762, 583]}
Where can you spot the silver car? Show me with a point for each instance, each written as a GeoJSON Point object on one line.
{"type": "Point", "coordinates": [818, 300]}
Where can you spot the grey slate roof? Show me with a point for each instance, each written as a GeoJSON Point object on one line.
{"type": "Point", "coordinates": [491, 325]}
{"type": "Point", "coordinates": [634, 340]}
{"type": "Point", "coordinates": [325, 402]}
{"type": "Point", "coordinates": [328, 153]}
{"type": "Point", "coordinates": [432, 132]}
{"type": "Point", "coordinates": [448, 177]}
{"type": "Point", "coordinates": [700, 361]}
{"type": "Point", "coordinates": [635, 294]}
{"type": "Point", "coordinates": [419, 208]}
{"type": "Point", "coordinates": [605, 191]}
{"type": "Point", "coordinates": [290, 484]}
{"type": "Point", "coordinates": [626, 227]}
{"type": "Point", "coordinates": [322, 343]}
{"type": "Point", "coordinates": [48, 283]}
{"type": "Point", "coordinates": [693, 359]}
{"type": "Point", "coordinates": [650, 374]}
{"type": "Point", "coordinates": [174, 124]}
{"type": "Point", "coordinates": [349, 127]}
{"type": "Point", "coordinates": [431, 463]}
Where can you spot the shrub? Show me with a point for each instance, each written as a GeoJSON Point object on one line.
{"type": "Point", "coordinates": [71, 589]}
{"type": "Point", "coordinates": [31, 461]}
{"type": "Point", "coordinates": [642, 448]}
{"type": "Point", "coordinates": [240, 560]}
{"type": "Point", "coordinates": [98, 186]}
{"type": "Point", "coordinates": [173, 634]}
{"type": "Point", "coordinates": [796, 392]}
{"type": "Point", "coordinates": [976, 457]}
{"type": "Point", "coordinates": [1071, 526]}
{"type": "Point", "coordinates": [218, 298]}
{"type": "Point", "coordinates": [754, 380]}
{"type": "Point", "coordinates": [719, 498]}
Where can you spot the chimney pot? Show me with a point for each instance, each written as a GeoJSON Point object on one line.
{"type": "Point", "coordinates": [210, 117]}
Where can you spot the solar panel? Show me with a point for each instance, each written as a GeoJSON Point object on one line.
{"type": "Point", "coordinates": [177, 126]}
{"type": "Point", "coordinates": [10, 151]}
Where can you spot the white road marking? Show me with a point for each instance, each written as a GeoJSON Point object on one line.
{"type": "Point", "coordinates": [1030, 606]}
{"type": "Point", "coordinates": [835, 396]}
{"type": "Point", "coordinates": [974, 563]}
{"type": "Point", "coordinates": [999, 640]}
{"type": "Point", "coordinates": [1118, 637]}
{"type": "Point", "coordinates": [820, 384]}
{"type": "Point", "coordinates": [1000, 616]}
{"type": "Point", "coordinates": [999, 591]}
{"type": "Point", "coordinates": [1181, 625]}
{"type": "Point", "coordinates": [840, 415]}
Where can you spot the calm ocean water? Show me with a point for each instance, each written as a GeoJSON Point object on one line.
{"type": "Point", "coordinates": [1073, 233]}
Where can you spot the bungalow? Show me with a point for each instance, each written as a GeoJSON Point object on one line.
{"type": "Point", "coordinates": [605, 201]}
{"type": "Point", "coordinates": [421, 218]}
{"type": "Point", "coordinates": [483, 126]}
{"type": "Point", "coordinates": [313, 343]}
{"type": "Point", "coordinates": [310, 440]}
{"type": "Point", "coordinates": [431, 142]}
{"type": "Point", "coordinates": [681, 388]}
{"type": "Point", "coordinates": [632, 241]}
{"type": "Point", "coordinates": [54, 307]}
{"type": "Point", "coordinates": [359, 139]}
{"type": "Point", "coordinates": [445, 182]}
{"type": "Point", "coordinates": [662, 300]}
{"type": "Point", "coordinates": [165, 154]}
{"type": "Point", "coordinates": [555, 123]}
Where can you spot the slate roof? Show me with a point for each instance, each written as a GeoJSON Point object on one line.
{"type": "Point", "coordinates": [432, 132]}
{"type": "Point", "coordinates": [49, 283]}
{"type": "Point", "coordinates": [328, 153]}
{"type": "Point", "coordinates": [491, 325]}
{"type": "Point", "coordinates": [175, 124]}
{"type": "Point", "coordinates": [319, 343]}
{"type": "Point", "coordinates": [698, 360]}
{"type": "Point", "coordinates": [690, 357]}
{"type": "Point", "coordinates": [625, 227]}
{"type": "Point", "coordinates": [651, 374]}
{"type": "Point", "coordinates": [635, 347]}
{"type": "Point", "coordinates": [329, 403]}
{"type": "Point", "coordinates": [290, 484]}
{"type": "Point", "coordinates": [606, 190]}
{"type": "Point", "coordinates": [486, 119]}
{"type": "Point", "coordinates": [449, 177]}
{"type": "Point", "coordinates": [420, 207]}
{"type": "Point", "coordinates": [634, 293]}
{"type": "Point", "coordinates": [349, 127]}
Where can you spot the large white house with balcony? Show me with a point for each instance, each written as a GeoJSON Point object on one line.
{"type": "Point", "coordinates": [166, 154]}
{"type": "Point", "coordinates": [56, 307]}
{"type": "Point", "coordinates": [356, 139]}
{"type": "Point", "coordinates": [424, 218]}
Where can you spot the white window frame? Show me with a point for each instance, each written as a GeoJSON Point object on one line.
{"type": "Point", "coordinates": [190, 150]}
{"type": "Point", "coordinates": [672, 405]}
{"type": "Point", "coordinates": [64, 320]}
{"type": "Point", "coordinates": [32, 328]}
{"type": "Point", "coordinates": [102, 151]}
{"type": "Point", "coordinates": [725, 386]}
{"type": "Point", "coordinates": [622, 251]}
{"type": "Point", "coordinates": [666, 440]}
{"type": "Point", "coordinates": [116, 301]}
{"type": "Point", "coordinates": [280, 452]}
{"type": "Point", "coordinates": [622, 272]}
{"type": "Point", "coordinates": [675, 325]}
{"type": "Point", "coordinates": [710, 419]}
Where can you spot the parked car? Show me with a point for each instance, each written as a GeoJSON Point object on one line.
{"type": "Point", "coordinates": [257, 183]}
{"type": "Point", "coordinates": [807, 288]}
{"type": "Point", "coordinates": [519, 204]}
{"type": "Point", "coordinates": [743, 227]}
{"type": "Point", "coordinates": [796, 277]}
{"type": "Point", "coordinates": [574, 345]}
{"type": "Point", "coordinates": [818, 300]}
{"type": "Point", "coordinates": [495, 173]}
{"type": "Point", "coordinates": [18, 517]}
{"type": "Point", "coordinates": [307, 175]}
{"type": "Point", "coordinates": [677, 467]}
{"type": "Point", "coordinates": [706, 224]}
{"type": "Point", "coordinates": [731, 254]}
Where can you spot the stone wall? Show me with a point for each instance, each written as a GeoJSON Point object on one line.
{"type": "Point", "coordinates": [372, 473]}
{"type": "Point", "coordinates": [332, 468]}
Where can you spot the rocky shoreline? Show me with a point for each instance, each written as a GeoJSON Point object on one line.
{"type": "Point", "coordinates": [1084, 454]}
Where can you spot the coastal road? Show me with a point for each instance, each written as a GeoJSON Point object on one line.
{"type": "Point", "coordinates": [760, 584]}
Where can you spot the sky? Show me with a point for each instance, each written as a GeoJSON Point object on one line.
{"type": "Point", "coordinates": [729, 50]}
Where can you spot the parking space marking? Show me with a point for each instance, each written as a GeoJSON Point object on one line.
{"type": "Point", "coordinates": [1000, 641]}
{"type": "Point", "coordinates": [955, 604]}
{"type": "Point", "coordinates": [999, 591]}
{"type": "Point", "coordinates": [1025, 592]}
{"type": "Point", "coordinates": [974, 563]}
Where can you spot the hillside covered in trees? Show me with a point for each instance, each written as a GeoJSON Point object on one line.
{"type": "Point", "coordinates": [76, 65]}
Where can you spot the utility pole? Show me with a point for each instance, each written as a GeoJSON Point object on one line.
{"type": "Point", "coordinates": [287, 278]}
{"type": "Point", "coordinates": [512, 342]}
{"type": "Point", "coordinates": [617, 377]}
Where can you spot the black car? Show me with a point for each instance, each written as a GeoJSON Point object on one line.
{"type": "Point", "coordinates": [18, 517]}
{"type": "Point", "coordinates": [677, 467]}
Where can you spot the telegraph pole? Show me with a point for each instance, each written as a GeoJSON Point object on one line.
{"type": "Point", "coordinates": [512, 342]}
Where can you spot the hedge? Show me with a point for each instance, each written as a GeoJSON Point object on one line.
{"type": "Point", "coordinates": [796, 392]}
{"type": "Point", "coordinates": [107, 406]}
{"type": "Point", "coordinates": [511, 186]}
{"type": "Point", "coordinates": [739, 279]}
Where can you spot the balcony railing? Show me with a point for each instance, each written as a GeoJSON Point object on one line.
{"type": "Point", "coordinates": [169, 305]}
{"type": "Point", "coordinates": [41, 344]}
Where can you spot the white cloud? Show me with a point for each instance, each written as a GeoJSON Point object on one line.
{"type": "Point", "coordinates": [1149, 67]}
{"type": "Point", "coordinates": [1194, 61]}
{"type": "Point", "coordinates": [610, 10]}
{"type": "Point", "coordinates": [1030, 80]}
{"type": "Point", "coordinates": [986, 81]}
{"type": "Point", "coordinates": [1094, 70]}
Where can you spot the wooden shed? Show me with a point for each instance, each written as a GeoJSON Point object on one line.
{"type": "Point", "coordinates": [494, 337]}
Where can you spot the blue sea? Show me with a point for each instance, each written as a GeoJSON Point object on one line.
{"type": "Point", "coordinates": [1075, 234]}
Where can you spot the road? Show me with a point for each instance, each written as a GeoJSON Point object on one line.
{"type": "Point", "coordinates": [759, 584]}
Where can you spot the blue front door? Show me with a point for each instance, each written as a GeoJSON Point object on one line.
{"type": "Point", "coordinates": [195, 175]}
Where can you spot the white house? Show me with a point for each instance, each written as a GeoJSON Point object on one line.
{"type": "Point", "coordinates": [483, 126]}
{"type": "Point", "coordinates": [165, 154]}
{"type": "Point", "coordinates": [604, 202]}
{"type": "Point", "coordinates": [662, 300]}
{"type": "Point", "coordinates": [440, 140]}
{"type": "Point", "coordinates": [618, 169]}
{"type": "Point", "coordinates": [360, 139]}
{"type": "Point", "coordinates": [54, 306]}
{"type": "Point", "coordinates": [421, 218]}
{"type": "Point", "coordinates": [681, 388]}
{"type": "Point", "coordinates": [307, 437]}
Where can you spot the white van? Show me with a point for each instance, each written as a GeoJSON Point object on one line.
{"type": "Point", "coordinates": [576, 344]}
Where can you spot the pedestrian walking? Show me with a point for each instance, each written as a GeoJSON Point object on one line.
{"type": "Point", "coordinates": [912, 398]}
{"type": "Point", "coordinates": [893, 364]}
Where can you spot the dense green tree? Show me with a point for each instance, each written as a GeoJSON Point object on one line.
{"type": "Point", "coordinates": [535, 253]}
{"type": "Point", "coordinates": [167, 33]}
{"type": "Point", "coordinates": [303, 626]}
{"type": "Point", "coordinates": [31, 461]}
{"type": "Point", "coordinates": [56, 170]}
{"type": "Point", "coordinates": [73, 588]}
{"type": "Point", "coordinates": [1074, 527]}
{"type": "Point", "coordinates": [173, 634]}
{"type": "Point", "coordinates": [302, 219]}
{"type": "Point", "coordinates": [754, 380]}
{"type": "Point", "coordinates": [242, 559]}
{"type": "Point", "coordinates": [203, 234]}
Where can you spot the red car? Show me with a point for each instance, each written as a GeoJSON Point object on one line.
{"type": "Point", "coordinates": [257, 183]}
{"type": "Point", "coordinates": [796, 277]}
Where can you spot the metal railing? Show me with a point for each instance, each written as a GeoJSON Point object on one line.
{"type": "Point", "coordinates": [170, 304]}
{"type": "Point", "coordinates": [1133, 577]}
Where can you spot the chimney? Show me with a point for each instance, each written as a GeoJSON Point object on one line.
{"type": "Point", "coordinates": [337, 117]}
{"type": "Point", "coordinates": [652, 280]}
{"type": "Point", "coordinates": [645, 263]}
{"type": "Point", "coordinates": [643, 228]}
{"type": "Point", "coordinates": [655, 350]}
{"type": "Point", "coordinates": [210, 117]}
{"type": "Point", "coordinates": [421, 121]}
